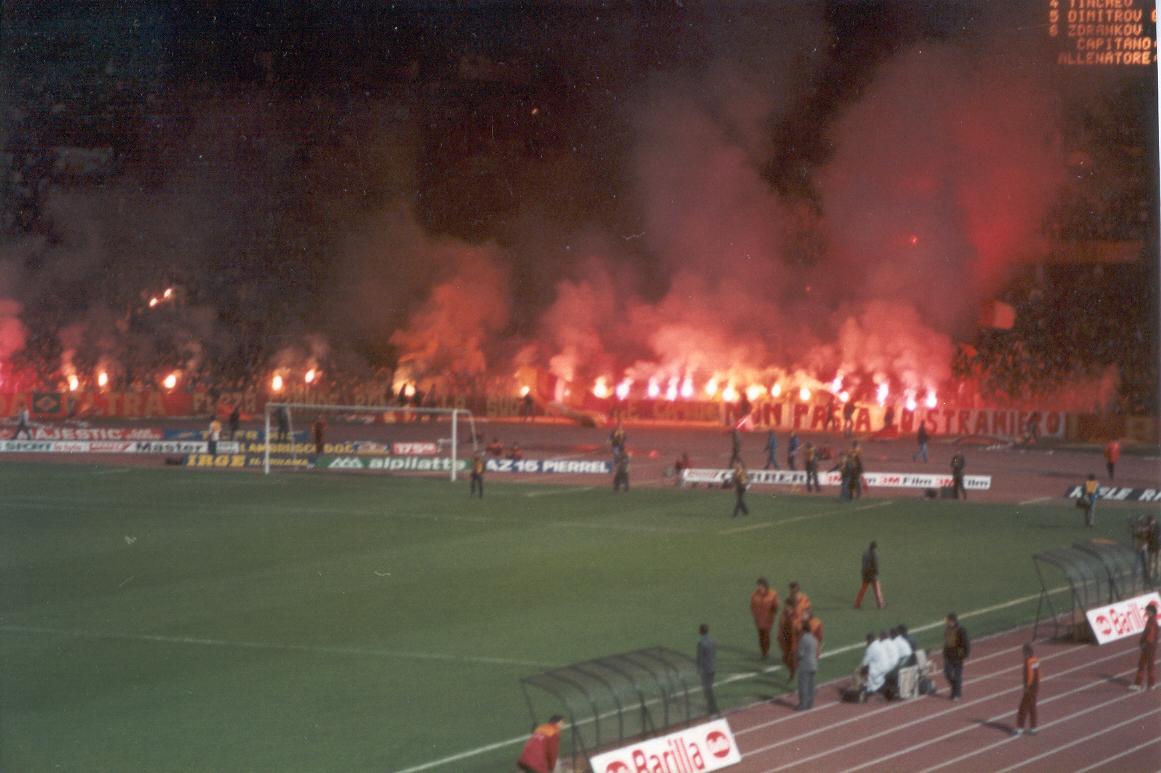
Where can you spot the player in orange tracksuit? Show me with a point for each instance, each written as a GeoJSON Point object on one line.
{"type": "Point", "coordinates": [1148, 643]}
{"type": "Point", "coordinates": [764, 610]}
{"type": "Point", "coordinates": [539, 754]}
{"type": "Point", "coordinates": [790, 626]}
{"type": "Point", "coordinates": [1027, 708]}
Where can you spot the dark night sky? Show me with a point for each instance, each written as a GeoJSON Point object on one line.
{"type": "Point", "coordinates": [658, 189]}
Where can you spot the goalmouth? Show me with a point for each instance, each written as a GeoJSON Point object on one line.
{"type": "Point", "coordinates": [279, 423]}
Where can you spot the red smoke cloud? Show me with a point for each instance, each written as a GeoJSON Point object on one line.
{"type": "Point", "coordinates": [942, 173]}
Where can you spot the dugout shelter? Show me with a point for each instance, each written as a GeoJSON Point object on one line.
{"type": "Point", "coordinates": [618, 699]}
{"type": "Point", "coordinates": [1097, 572]}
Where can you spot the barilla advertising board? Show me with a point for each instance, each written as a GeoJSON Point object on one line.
{"type": "Point", "coordinates": [1124, 618]}
{"type": "Point", "coordinates": [703, 747]}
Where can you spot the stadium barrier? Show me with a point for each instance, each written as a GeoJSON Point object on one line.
{"type": "Point", "coordinates": [1098, 572]}
{"type": "Point", "coordinates": [617, 699]}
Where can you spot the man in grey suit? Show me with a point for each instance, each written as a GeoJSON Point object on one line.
{"type": "Point", "coordinates": [807, 666]}
{"type": "Point", "coordinates": [706, 664]}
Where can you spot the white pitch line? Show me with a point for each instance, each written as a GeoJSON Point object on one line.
{"type": "Point", "coordinates": [1034, 501]}
{"type": "Point", "coordinates": [811, 517]}
{"type": "Point", "coordinates": [555, 492]}
{"type": "Point", "coordinates": [259, 645]}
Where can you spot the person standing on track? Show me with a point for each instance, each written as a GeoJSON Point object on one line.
{"type": "Point", "coordinates": [871, 577]}
{"type": "Point", "coordinates": [1027, 708]}
{"type": "Point", "coordinates": [735, 447]}
{"type": "Point", "coordinates": [921, 438]}
{"type": "Point", "coordinates": [1148, 643]}
{"type": "Point", "coordinates": [956, 649]}
{"type": "Point", "coordinates": [807, 667]}
{"type": "Point", "coordinates": [771, 451]}
{"type": "Point", "coordinates": [792, 450]}
{"type": "Point", "coordinates": [764, 610]}
{"type": "Point", "coordinates": [1112, 456]}
{"type": "Point", "coordinates": [540, 751]}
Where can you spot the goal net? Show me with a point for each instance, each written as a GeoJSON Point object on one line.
{"type": "Point", "coordinates": [384, 438]}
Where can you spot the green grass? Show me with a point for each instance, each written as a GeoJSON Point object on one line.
{"type": "Point", "coordinates": [183, 620]}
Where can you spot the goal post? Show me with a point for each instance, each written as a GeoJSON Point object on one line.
{"type": "Point", "coordinates": [279, 424]}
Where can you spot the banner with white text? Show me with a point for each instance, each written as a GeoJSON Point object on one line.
{"type": "Point", "coordinates": [1122, 619]}
{"type": "Point", "coordinates": [709, 746]}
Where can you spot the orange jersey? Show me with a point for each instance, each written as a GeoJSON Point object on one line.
{"type": "Point", "coordinates": [792, 614]}
{"type": "Point", "coordinates": [816, 630]}
{"type": "Point", "coordinates": [1031, 672]}
{"type": "Point", "coordinates": [764, 607]}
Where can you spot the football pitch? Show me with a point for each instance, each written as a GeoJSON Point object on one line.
{"type": "Point", "coordinates": [172, 619]}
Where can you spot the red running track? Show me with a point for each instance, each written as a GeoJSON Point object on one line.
{"type": "Point", "coordinates": [1089, 720]}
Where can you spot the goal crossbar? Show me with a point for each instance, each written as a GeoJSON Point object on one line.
{"type": "Point", "coordinates": [454, 413]}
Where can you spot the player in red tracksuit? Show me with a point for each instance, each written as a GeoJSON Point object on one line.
{"type": "Point", "coordinates": [539, 755]}
{"type": "Point", "coordinates": [1027, 708]}
{"type": "Point", "coordinates": [764, 610]}
{"type": "Point", "coordinates": [1147, 663]}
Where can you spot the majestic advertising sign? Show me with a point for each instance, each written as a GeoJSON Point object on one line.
{"type": "Point", "coordinates": [1122, 619]}
{"type": "Point", "coordinates": [49, 432]}
{"type": "Point", "coordinates": [713, 477]}
{"type": "Point", "coordinates": [710, 746]}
